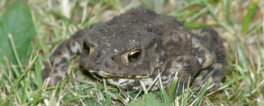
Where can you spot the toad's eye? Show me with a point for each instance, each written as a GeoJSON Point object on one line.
{"type": "Point", "coordinates": [86, 48]}
{"type": "Point", "coordinates": [134, 55]}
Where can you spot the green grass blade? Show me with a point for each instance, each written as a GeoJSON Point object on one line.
{"type": "Point", "coordinates": [25, 93]}
{"type": "Point", "coordinates": [163, 92]}
{"type": "Point", "coordinates": [14, 51]}
{"type": "Point", "coordinates": [38, 74]}
{"type": "Point", "coordinates": [202, 93]}
{"type": "Point", "coordinates": [193, 25]}
{"type": "Point", "coordinates": [199, 14]}
{"type": "Point", "coordinates": [250, 13]}
{"type": "Point", "coordinates": [61, 16]}
{"type": "Point", "coordinates": [108, 96]}
{"type": "Point", "coordinates": [173, 89]}
{"type": "Point", "coordinates": [243, 66]}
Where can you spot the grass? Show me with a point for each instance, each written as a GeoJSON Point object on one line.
{"type": "Point", "coordinates": [239, 23]}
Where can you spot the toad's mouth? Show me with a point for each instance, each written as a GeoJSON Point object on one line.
{"type": "Point", "coordinates": [104, 74]}
{"type": "Point", "coordinates": [101, 73]}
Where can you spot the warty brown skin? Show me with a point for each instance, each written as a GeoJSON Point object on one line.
{"type": "Point", "coordinates": [133, 48]}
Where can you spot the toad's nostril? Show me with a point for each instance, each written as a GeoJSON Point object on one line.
{"type": "Point", "coordinates": [112, 58]}
{"type": "Point", "coordinates": [98, 55]}
{"type": "Point", "coordinates": [149, 29]}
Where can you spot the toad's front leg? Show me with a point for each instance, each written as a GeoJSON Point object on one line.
{"type": "Point", "coordinates": [56, 67]}
{"type": "Point", "coordinates": [186, 67]}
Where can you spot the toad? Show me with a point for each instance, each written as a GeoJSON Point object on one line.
{"type": "Point", "coordinates": [139, 46]}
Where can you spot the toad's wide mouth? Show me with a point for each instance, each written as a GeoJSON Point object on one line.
{"type": "Point", "coordinates": [104, 74]}
{"type": "Point", "coordinates": [100, 73]}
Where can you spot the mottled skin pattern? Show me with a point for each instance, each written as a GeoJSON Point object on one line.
{"type": "Point", "coordinates": [133, 48]}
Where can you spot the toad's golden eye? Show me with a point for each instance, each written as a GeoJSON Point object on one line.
{"type": "Point", "coordinates": [86, 48]}
{"type": "Point", "coordinates": [134, 55]}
